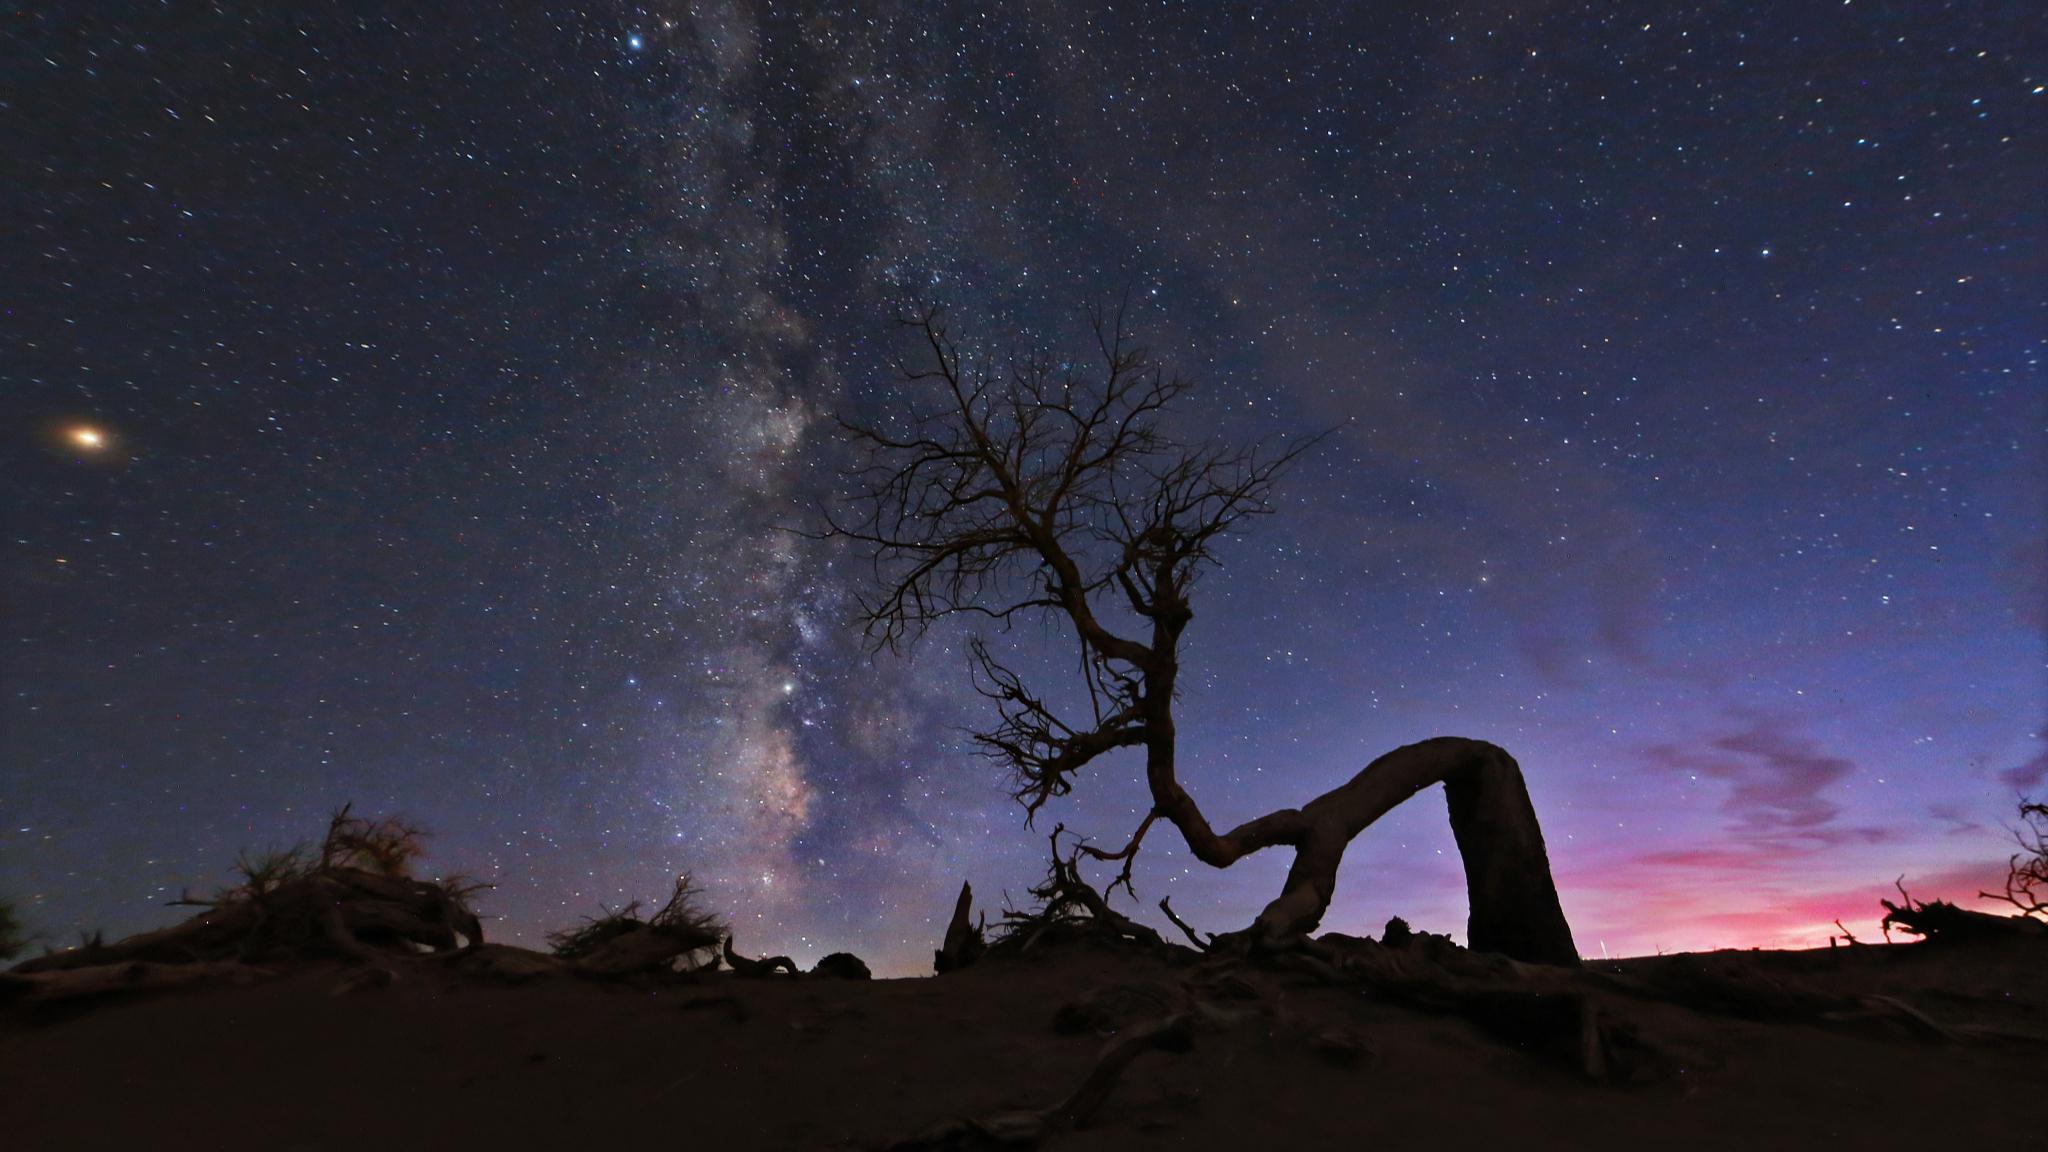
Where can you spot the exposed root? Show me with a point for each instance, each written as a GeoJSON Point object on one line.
{"type": "Point", "coordinates": [1939, 920]}
{"type": "Point", "coordinates": [1068, 907]}
{"type": "Point", "coordinates": [1893, 1008]}
{"type": "Point", "coordinates": [768, 966]}
{"type": "Point", "coordinates": [619, 943]}
{"type": "Point", "coordinates": [1174, 1033]}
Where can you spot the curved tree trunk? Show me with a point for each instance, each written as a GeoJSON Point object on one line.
{"type": "Point", "coordinates": [1507, 870]}
{"type": "Point", "coordinates": [1515, 910]}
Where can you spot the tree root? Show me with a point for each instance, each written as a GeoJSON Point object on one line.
{"type": "Point", "coordinates": [768, 966]}
{"type": "Point", "coordinates": [1068, 905]}
{"type": "Point", "coordinates": [1938, 920]}
{"type": "Point", "coordinates": [1173, 1033]}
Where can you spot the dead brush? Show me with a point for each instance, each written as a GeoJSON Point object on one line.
{"type": "Point", "coordinates": [682, 918]}
{"type": "Point", "coordinates": [387, 847]}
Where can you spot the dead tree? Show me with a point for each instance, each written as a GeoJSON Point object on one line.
{"type": "Point", "coordinates": [1023, 487]}
{"type": "Point", "coordinates": [964, 942]}
{"type": "Point", "coordinates": [2026, 878]}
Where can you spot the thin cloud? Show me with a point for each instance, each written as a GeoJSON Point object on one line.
{"type": "Point", "coordinates": [1778, 781]}
{"type": "Point", "coordinates": [2028, 775]}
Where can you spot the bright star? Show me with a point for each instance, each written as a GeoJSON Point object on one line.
{"type": "Point", "coordinates": [86, 438]}
{"type": "Point", "coordinates": [634, 42]}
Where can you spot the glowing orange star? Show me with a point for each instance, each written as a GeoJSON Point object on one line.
{"type": "Point", "coordinates": [87, 438]}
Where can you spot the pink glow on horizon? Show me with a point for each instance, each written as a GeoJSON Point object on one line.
{"type": "Point", "coordinates": [1708, 899]}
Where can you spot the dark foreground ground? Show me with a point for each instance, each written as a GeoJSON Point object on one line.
{"type": "Point", "coordinates": [439, 1059]}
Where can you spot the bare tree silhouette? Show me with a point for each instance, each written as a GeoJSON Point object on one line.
{"type": "Point", "coordinates": [2026, 878]}
{"type": "Point", "coordinates": [1023, 487]}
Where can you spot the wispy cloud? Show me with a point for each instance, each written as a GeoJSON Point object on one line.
{"type": "Point", "coordinates": [2028, 774]}
{"type": "Point", "coordinates": [1778, 781]}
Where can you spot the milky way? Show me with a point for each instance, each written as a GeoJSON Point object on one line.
{"type": "Point", "coordinates": [465, 396]}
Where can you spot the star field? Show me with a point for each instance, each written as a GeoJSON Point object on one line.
{"type": "Point", "coordinates": [412, 407]}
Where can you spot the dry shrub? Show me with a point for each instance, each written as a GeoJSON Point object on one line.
{"type": "Point", "coordinates": [683, 917]}
{"type": "Point", "coordinates": [264, 872]}
{"type": "Point", "coordinates": [388, 847]}
{"type": "Point", "coordinates": [460, 888]}
{"type": "Point", "coordinates": [351, 896]}
{"type": "Point", "coordinates": [571, 943]}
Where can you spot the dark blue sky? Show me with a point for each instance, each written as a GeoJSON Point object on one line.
{"type": "Point", "coordinates": [456, 366]}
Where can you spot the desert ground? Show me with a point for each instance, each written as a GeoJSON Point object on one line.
{"type": "Point", "coordinates": [1938, 1044]}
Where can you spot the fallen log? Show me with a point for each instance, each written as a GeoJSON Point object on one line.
{"type": "Point", "coordinates": [1937, 920]}
{"type": "Point", "coordinates": [642, 948]}
{"type": "Point", "coordinates": [72, 985]}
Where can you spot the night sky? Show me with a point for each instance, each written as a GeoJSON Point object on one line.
{"type": "Point", "coordinates": [405, 405]}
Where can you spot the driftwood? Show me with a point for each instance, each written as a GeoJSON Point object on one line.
{"type": "Point", "coordinates": [66, 986]}
{"type": "Point", "coordinates": [621, 944]}
{"type": "Point", "coordinates": [1938, 920]}
{"type": "Point", "coordinates": [643, 948]}
{"type": "Point", "coordinates": [768, 966]}
{"type": "Point", "coordinates": [336, 912]}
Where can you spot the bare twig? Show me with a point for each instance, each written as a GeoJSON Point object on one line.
{"type": "Point", "coordinates": [2026, 878]}
{"type": "Point", "coordinates": [1127, 854]}
{"type": "Point", "coordinates": [1166, 906]}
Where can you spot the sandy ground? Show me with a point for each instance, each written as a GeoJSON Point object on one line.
{"type": "Point", "coordinates": [432, 1060]}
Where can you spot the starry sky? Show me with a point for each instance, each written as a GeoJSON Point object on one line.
{"type": "Point", "coordinates": [407, 405]}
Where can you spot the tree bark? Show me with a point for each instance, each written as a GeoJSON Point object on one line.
{"type": "Point", "coordinates": [1514, 906]}
{"type": "Point", "coordinates": [1514, 903]}
{"type": "Point", "coordinates": [963, 943]}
